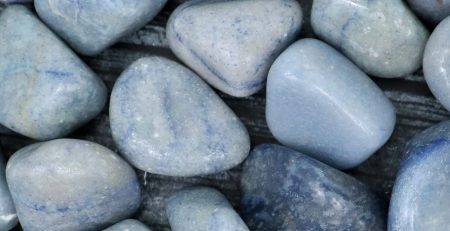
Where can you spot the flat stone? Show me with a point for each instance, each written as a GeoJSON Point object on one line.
{"type": "Point", "coordinates": [318, 102]}
{"type": "Point", "coordinates": [166, 120]}
{"type": "Point", "coordinates": [384, 38]}
{"type": "Point", "coordinates": [46, 91]}
{"type": "Point", "coordinates": [202, 209]}
{"type": "Point", "coordinates": [231, 44]}
{"type": "Point", "coordinates": [432, 10]}
{"type": "Point", "coordinates": [420, 196]}
{"type": "Point", "coordinates": [436, 63]}
{"type": "Point", "coordinates": [286, 190]}
{"type": "Point", "coordinates": [128, 225]}
{"type": "Point", "coordinates": [90, 26]}
{"type": "Point", "coordinates": [68, 184]}
{"type": "Point", "coordinates": [8, 217]}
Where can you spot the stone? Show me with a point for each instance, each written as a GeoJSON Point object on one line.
{"type": "Point", "coordinates": [128, 225]}
{"type": "Point", "coordinates": [202, 209]}
{"type": "Point", "coordinates": [166, 120]}
{"type": "Point", "coordinates": [319, 103]}
{"type": "Point", "coordinates": [433, 11]}
{"type": "Point", "coordinates": [15, 1]}
{"type": "Point", "coordinates": [383, 37]}
{"type": "Point", "coordinates": [46, 91]}
{"type": "Point", "coordinates": [91, 26]}
{"type": "Point", "coordinates": [420, 195]}
{"type": "Point", "coordinates": [231, 44]}
{"type": "Point", "coordinates": [68, 184]}
{"type": "Point", "coordinates": [8, 217]}
{"type": "Point", "coordinates": [436, 63]}
{"type": "Point", "coordinates": [286, 190]}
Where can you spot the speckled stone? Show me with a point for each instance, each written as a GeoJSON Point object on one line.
{"type": "Point", "coordinates": [90, 26]}
{"type": "Point", "coordinates": [202, 209]}
{"type": "Point", "coordinates": [431, 10]}
{"type": "Point", "coordinates": [8, 217]}
{"type": "Point", "coordinates": [320, 103]}
{"type": "Point", "coordinates": [128, 225]}
{"type": "Point", "coordinates": [286, 190]}
{"type": "Point", "coordinates": [436, 63]}
{"type": "Point", "coordinates": [71, 185]}
{"type": "Point", "coordinates": [166, 120]}
{"type": "Point", "coordinates": [46, 91]}
{"type": "Point", "coordinates": [420, 198]}
{"type": "Point", "coordinates": [231, 44]}
{"type": "Point", "coordinates": [383, 37]}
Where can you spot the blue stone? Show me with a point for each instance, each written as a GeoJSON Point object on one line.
{"type": "Point", "coordinates": [384, 38]}
{"type": "Point", "coordinates": [231, 44]}
{"type": "Point", "coordinates": [420, 198]}
{"type": "Point", "coordinates": [431, 10]}
{"type": "Point", "coordinates": [8, 217]}
{"type": "Point", "coordinates": [166, 120]}
{"type": "Point", "coordinates": [128, 225]}
{"type": "Point", "coordinates": [70, 184]}
{"type": "Point", "coordinates": [202, 209]}
{"type": "Point", "coordinates": [320, 103]}
{"type": "Point", "coordinates": [90, 26]}
{"type": "Point", "coordinates": [436, 63]}
{"type": "Point", "coordinates": [286, 190]}
{"type": "Point", "coordinates": [46, 91]}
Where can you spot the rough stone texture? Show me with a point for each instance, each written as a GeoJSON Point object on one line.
{"type": "Point", "coordinates": [431, 10]}
{"type": "Point", "coordinates": [8, 217]}
{"type": "Point", "coordinates": [128, 225]}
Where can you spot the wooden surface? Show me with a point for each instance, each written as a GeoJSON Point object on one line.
{"type": "Point", "coordinates": [416, 110]}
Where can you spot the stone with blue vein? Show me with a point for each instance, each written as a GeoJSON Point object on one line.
{"type": "Point", "coordinates": [433, 11]}
{"type": "Point", "coordinates": [8, 217]}
{"type": "Point", "coordinates": [129, 225]}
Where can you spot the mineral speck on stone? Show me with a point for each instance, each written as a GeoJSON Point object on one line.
{"type": "Point", "coordinates": [202, 209]}
{"type": "Point", "coordinates": [128, 225]}
{"type": "Point", "coordinates": [231, 44]}
{"type": "Point", "coordinates": [431, 10]}
{"type": "Point", "coordinates": [8, 217]}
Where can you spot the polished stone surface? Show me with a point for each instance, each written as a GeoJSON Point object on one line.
{"type": "Point", "coordinates": [202, 209]}
{"type": "Point", "coordinates": [231, 44]}
{"type": "Point", "coordinates": [383, 37]}
{"type": "Point", "coordinates": [320, 103]}
{"type": "Point", "coordinates": [436, 63]}
{"type": "Point", "coordinates": [46, 91]}
{"type": "Point", "coordinates": [70, 185]}
{"type": "Point", "coordinates": [286, 190]}
{"type": "Point", "coordinates": [431, 10]}
{"type": "Point", "coordinates": [8, 217]}
{"type": "Point", "coordinates": [128, 225]}
{"type": "Point", "coordinates": [166, 120]}
{"type": "Point", "coordinates": [90, 26]}
{"type": "Point", "coordinates": [420, 198]}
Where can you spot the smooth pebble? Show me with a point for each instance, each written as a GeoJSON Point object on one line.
{"type": "Point", "coordinates": [8, 217]}
{"type": "Point", "coordinates": [128, 225]}
{"type": "Point", "coordinates": [431, 10]}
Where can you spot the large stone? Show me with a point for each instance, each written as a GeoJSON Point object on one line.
{"type": "Point", "coordinates": [202, 209]}
{"type": "Point", "coordinates": [90, 26]}
{"type": "Point", "coordinates": [320, 103]}
{"type": "Point", "coordinates": [8, 217]}
{"type": "Point", "coordinates": [166, 120]}
{"type": "Point", "coordinates": [128, 225]}
{"type": "Point", "coordinates": [383, 37]}
{"type": "Point", "coordinates": [70, 185]}
{"type": "Point", "coordinates": [46, 91]}
{"type": "Point", "coordinates": [231, 44]}
{"type": "Point", "coordinates": [431, 10]}
{"type": "Point", "coordinates": [420, 198]}
{"type": "Point", "coordinates": [286, 190]}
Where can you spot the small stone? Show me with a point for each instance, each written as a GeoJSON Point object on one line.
{"type": "Point", "coordinates": [128, 225]}
{"type": "Point", "coordinates": [431, 10]}
{"type": "Point", "coordinates": [436, 63]}
{"type": "Point", "coordinates": [286, 190]}
{"type": "Point", "coordinates": [420, 196]}
{"type": "Point", "coordinates": [70, 185]}
{"type": "Point", "coordinates": [202, 209]}
{"type": "Point", "coordinates": [8, 217]}
{"type": "Point", "coordinates": [46, 91]}
{"type": "Point", "coordinates": [384, 38]}
{"type": "Point", "coordinates": [320, 103]}
{"type": "Point", "coordinates": [90, 26]}
{"type": "Point", "coordinates": [166, 120]}
{"type": "Point", "coordinates": [231, 44]}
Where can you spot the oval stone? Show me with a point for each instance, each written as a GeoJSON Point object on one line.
{"type": "Point", "coordinates": [70, 185]}
{"type": "Point", "coordinates": [420, 198]}
{"type": "Point", "coordinates": [92, 26]}
{"type": "Point", "coordinates": [383, 37]}
{"type": "Point", "coordinates": [231, 44]}
{"type": "Point", "coordinates": [320, 103]}
{"type": "Point", "coordinates": [128, 225]}
{"type": "Point", "coordinates": [286, 190]}
{"type": "Point", "coordinates": [8, 217]}
{"type": "Point", "coordinates": [46, 91]}
{"type": "Point", "coordinates": [166, 120]}
{"type": "Point", "coordinates": [431, 10]}
{"type": "Point", "coordinates": [202, 209]}
{"type": "Point", "coordinates": [436, 63]}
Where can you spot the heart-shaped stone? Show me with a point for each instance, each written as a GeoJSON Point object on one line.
{"type": "Point", "coordinates": [8, 217]}
{"type": "Point", "coordinates": [231, 44]}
